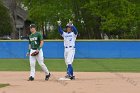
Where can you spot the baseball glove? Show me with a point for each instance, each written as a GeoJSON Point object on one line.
{"type": "Point", "coordinates": [35, 53]}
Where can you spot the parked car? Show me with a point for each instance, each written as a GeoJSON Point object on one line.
{"type": "Point", "coordinates": [24, 38]}
{"type": "Point", "coordinates": [5, 38]}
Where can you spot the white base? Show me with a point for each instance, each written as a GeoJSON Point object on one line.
{"type": "Point", "coordinates": [64, 79]}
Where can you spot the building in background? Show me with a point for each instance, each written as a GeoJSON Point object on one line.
{"type": "Point", "coordinates": [18, 15]}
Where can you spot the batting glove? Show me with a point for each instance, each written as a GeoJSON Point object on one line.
{"type": "Point", "coordinates": [59, 23]}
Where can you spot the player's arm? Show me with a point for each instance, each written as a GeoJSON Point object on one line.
{"type": "Point", "coordinates": [60, 28]}
{"type": "Point", "coordinates": [74, 29]}
{"type": "Point", "coordinates": [41, 42]}
{"type": "Point", "coordinates": [29, 48]}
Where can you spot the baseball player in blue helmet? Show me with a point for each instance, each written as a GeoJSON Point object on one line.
{"type": "Point", "coordinates": [69, 44]}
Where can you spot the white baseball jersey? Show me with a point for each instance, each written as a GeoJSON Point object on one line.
{"type": "Point", "coordinates": [69, 39]}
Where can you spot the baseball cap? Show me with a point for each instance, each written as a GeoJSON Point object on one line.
{"type": "Point", "coordinates": [68, 25]}
{"type": "Point", "coordinates": [32, 26]}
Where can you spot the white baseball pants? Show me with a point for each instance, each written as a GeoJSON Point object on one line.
{"type": "Point", "coordinates": [69, 55]}
{"type": "Point", "coordinates": [40, 60]}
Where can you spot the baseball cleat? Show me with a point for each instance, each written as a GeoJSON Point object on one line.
{"type": "Point", "coordinates": [30, 78]}
{"type": "Point", "coordinates": [67, 76]}
{"type": "Point", "coordinates": [70, 77]}
{"type": "Point", "coordinates": [47, 77]}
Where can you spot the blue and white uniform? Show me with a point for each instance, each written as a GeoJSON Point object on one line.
{"type": "Point", "coordinates": [69, 45]}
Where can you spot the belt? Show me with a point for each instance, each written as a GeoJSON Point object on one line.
{"type": "Point", "coordinates": [69, 46]}
{"type": "Point", "coordinates": [34, 48]}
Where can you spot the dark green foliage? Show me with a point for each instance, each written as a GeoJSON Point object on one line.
{"type": "Point", "coordinates": [116, 18]}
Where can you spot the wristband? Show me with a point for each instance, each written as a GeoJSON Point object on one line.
{"type": "Point", "coordinates": [28, 50]}
{"type": "Point", "coordinates": [39, 48]}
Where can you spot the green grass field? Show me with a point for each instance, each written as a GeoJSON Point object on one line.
{"type": "Point", "coordinates": [80, 65]}
{"type": "Point", "coordinates": [4, 85]}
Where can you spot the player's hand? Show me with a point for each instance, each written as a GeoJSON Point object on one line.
{"type": "Point", "coordinates": [37, 50]}
{"type": "Point", "coordinates": [59, 23]}
{"type": "Point", "coordinates": [27, 54]}
{"type": "Point", "coordinates": [70, 23]}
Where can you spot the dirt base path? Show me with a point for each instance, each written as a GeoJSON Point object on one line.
{"type": "Point", "coordinates": [86, 82]}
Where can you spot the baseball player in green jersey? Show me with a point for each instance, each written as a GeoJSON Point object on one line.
{"type": "Point", "coordinates": [35, 52]}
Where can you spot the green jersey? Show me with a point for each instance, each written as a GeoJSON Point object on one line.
{"type": "Point", "coordinates": [34, 40]}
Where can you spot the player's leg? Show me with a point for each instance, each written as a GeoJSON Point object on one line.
{"type": "Point", "coordinates": [40, 60]}
{"type": "Point", "coordinates": [66, 57]}
{"type": "Point", "coordinates": [71, 55]}
{"type": "Point", "coordinates": [70, 58]}
{"type": "Point", "coordinates": [32, 66]}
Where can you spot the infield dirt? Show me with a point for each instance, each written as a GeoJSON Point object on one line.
{"type": "Point", "coordinates": [86, 82]}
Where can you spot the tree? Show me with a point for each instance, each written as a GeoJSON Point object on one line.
{"type": "Point", "coordinates": [136, 28]}
{"type": "Point", "coordinates": [43, 12]}
{"type": "Point", "coordinates": [115, 17]}
{"type": "Point", "coordinates": [93, 18]}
